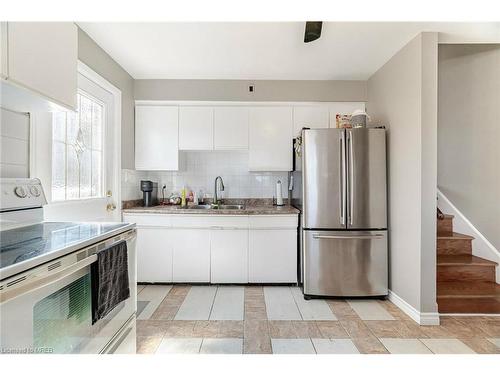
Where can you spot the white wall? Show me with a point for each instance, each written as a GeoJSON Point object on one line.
{"type": "Point", "coordinates": [198, 172]}
{"type": "Point", "coordinates": [469, 133]}
{"type": "Point", "coordinates": [403, 96]}
{"type": "Point", "coordinates": [14, 144]}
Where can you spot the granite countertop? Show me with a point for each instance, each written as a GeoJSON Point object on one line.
{"type": "Point", "coordinates": [252, 207]}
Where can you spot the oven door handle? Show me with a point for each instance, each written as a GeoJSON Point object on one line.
{"type": "Point", "coordinates": [44, 279]}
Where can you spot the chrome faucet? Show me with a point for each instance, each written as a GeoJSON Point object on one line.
{"type": "Point", "coordinates": [216, 199]}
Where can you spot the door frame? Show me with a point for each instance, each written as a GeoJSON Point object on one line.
{"type": "Point", "coordinates": [89, 73]}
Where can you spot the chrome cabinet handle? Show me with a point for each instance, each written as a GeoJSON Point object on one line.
{"type": "Point", "coordinates": [358, 237]}
{"type": "Point", "coordinates": [342, 178]}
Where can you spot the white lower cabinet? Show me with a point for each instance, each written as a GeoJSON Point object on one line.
{"type": "Point", "coordinates": [272, 256]}
{"type": "Point", "coordinates": [154, 255]}
{"type": "Point", "coordinates": [191, 255]}
{"type": "Point", "coordinates": [216, 249]}
{"type": "Point", "coordinates": [229, 256]}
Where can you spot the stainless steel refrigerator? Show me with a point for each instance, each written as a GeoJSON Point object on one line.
{"type": "Point", "coordinates": [339, 184]}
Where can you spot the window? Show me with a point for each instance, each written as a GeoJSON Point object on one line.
{"type": "Point", "coordinates": [77, 151]}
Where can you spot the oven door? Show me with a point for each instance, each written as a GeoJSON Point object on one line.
{"type": "Point", "coordinates": [50, 309]}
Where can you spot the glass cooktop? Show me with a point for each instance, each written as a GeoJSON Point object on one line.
{"type": "Point", "coordinates": [25, 243]}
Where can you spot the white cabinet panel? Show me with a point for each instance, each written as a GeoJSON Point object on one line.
{"type": "Point", "coordinates": [231, 128]}
{"type": "Point", "coordinates": [270, 139]}
{"type": "Point", "coordinates": [154, 255]}
{"type": "Point", "coordinates": [343, 108]}
{"type": "Point", "coordinates": [156, 138]}
{"type": "Point", "coordinates": [229, 256]}
{"type": "Point", "coordinates": [196, 128]}
{"type": "Point", "coordinates": [191, 255]}
{"type": "Point", "coordinates": [314, 117]}
{"type": "Point", "coordinates": [272, 256]}
{"type": "Point", "coordinates": [42, 56]}
{"type": "Point", "coordinates": [3, 50]}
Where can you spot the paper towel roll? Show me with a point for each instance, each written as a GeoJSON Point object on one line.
{"type": "Point", "coordinates": [279, 194]}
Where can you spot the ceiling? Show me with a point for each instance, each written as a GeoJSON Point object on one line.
{"type": "Point", "coordinates": [266, 50]}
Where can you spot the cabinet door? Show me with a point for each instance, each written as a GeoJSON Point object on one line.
{"type": "Point", "coordinates": [343, 108]}
{"type": "Point", "coordinates": [229, 256]}
{"type": "Point", "coordinates": [3, 50]}
{"type": "Point", "coordinates": [196, 128]}
{"type": "Point", "coordinates": [154, 255]}
{"type": "Point", "coordinates": [156, 136]}
{"type": "Point", "coordinates": [270, 139]}
{"type": "Point", "coordinates": [314, 117]}
{"type": "Point", "coordinates": [231, 128]}
{"type": "Point", "coordinates": [191, 255]}
{"type": "Point", "coordinates": [272, 256]}
{"type": "Point", "coordinates": [42, 56]}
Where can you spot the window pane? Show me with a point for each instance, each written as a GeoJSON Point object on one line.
{"type": "Point", "coordinates": [59, 126]}
{"type": "Point", "coordinates": [85, 174]}
{"type": "Point", "coordinates": [73, 172]}
{"type": "Point", "coordinates": [86, 120]}
{"type": "Point", "coordinates": [58, 171]}
{"type": "Point", "coordinates": [97, 173]}
{"type": "Point", "coordinates": [72, 128]}
{"type": "Point", "coordinates": [97, 122]}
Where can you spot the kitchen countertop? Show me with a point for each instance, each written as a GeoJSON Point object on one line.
{"type": "Point", "coordinates": [248, 210]}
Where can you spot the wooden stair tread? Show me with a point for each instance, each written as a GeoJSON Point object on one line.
{"type": "Point", "coordinates": [455, 236]}
{"type": "Point", "coordinates": [467, 289]}
{"type": "Point", "coordinates": [463, 260]}
{"type": "Point", "coordinates": [447, 216]}
{"type": "Point", "coordinates": [480, 305]}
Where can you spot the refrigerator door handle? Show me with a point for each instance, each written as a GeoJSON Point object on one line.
{"type": "Point", "coordinates": [351, 176]}
{"type": "Point", "coordinates": [348, 237]}
{"type": "Point", "coordinates": [343, 178]}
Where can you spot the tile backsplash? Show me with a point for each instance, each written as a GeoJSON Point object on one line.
{"type": "Point", "coordinates": [197, 172]}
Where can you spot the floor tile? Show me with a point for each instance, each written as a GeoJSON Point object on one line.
{"type": "Point", "coordinates": [292, 346]}
{"type": "Point", "coordinates": [342, 310]}
{"type": "Point", "coordinates": [370, 310]}
{"type": "Point", "coordinates": [222, 346]}
{"type": "Point", "coordinates": [405, 346]}
{"type": "Point", "coordinates": [331, 330]}
{"type": "Point", "coordinates": [460, 330]}
{"type": "Point", "coordinates": [197, 304]}
{"type": "Point", "coordinates": [179, 328]}
{"type": "Point", "coordinates": [334, 346]}
{"type": "Point", "coordinates": [154, 294]}
{"type": "Point", "coordinates": [282, 329]}
{"type": "Point", "coordinates": [170, 305]}
{"type": "Point", "coordinates": [280, 304]}
{"type": "Point", "coordinates": [447, 346]}
{"type": "Point", "coordinates": [385, 328]}
{"type": "Point", "coordinates": [151, 328]}
{"type": "Point", "coordinates": [314, 309]}
{"type": "Point", "coordinates": [256, 328]}
{"type": "Point", "coordinates": [206, 328]}
{"type": "Point", "coordinates": [306, 329]}
{"type": "Point", "coordinates": [482, 345]}
{"type": "Point", "coordinates": [147, 345]}
{"type": "Point", "coordinates": [257, 345]}
{"type": "Point", "coordinates": [230, 329]}
{"type": "Point", "coordinates": [495, 341]}
{"type": "Point", "coordinates": [369, 345]}
{"type": "Point", "coordinates": [228, 303]}
{"type": "Point", "coordinates": [179, 346]}
{"type": "Point", "coordinates": [140, 287]}
{"type": "Point", "coordinates": [356, 328]}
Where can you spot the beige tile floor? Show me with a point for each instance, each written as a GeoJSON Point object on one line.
{"type": "Point", "coordinates": [255, 319]}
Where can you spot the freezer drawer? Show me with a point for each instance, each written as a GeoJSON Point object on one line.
{"type": "Point", "coordinates": [345, 263]}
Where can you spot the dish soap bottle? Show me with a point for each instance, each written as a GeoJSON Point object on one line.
{"type": "Point", "coordinates": [183, 197]}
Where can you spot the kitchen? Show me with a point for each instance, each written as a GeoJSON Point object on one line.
{"type": "Point", "coordinates": [239, 213]}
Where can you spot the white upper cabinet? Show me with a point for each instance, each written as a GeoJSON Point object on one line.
{"type": "Point", "coordinates": [343, 108]}
{"type": "Point", "coordinates": [270, 139]}
{"type": "Point", "coordinates": [196, 128]}
{"type": "Point", "coordinates": [231, 128]}
{"type": "Point", "coordinates": [314, 117]}
{"type": "Point", "coordinates": [42, 57]}
{"type": "Point", "coordinates": [156, 138]}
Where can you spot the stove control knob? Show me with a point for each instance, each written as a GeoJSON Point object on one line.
{"type": "Point", "coordinates": [34, 191]}
{"type": "Point", "coordinates": [20, 192]}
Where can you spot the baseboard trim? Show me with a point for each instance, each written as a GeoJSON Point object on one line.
{"type": "Point", "coordinates": [425, 319]}
{"type": "Point", "coordinates": [481, 247]}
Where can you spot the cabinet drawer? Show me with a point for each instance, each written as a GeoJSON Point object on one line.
{"type": "Point", "coordinates": [273, 222]}
{"type": "Point", "coordinates": [148, 220]}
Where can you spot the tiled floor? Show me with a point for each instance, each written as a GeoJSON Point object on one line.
{"type": "Point", "coordinates": [254, 319]}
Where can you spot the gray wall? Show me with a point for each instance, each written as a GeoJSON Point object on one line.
{"type": "Point", "coordinates": [469, 133]}
{"type": "Point", "coordinates": [237, 90]}
{"type": "Point", "coordinates": [403, 96]}
{"type": "Point", "coordinates": [95, 57]}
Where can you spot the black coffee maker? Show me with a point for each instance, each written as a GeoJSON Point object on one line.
{"type": "Point", "coordinates": [149, 193]}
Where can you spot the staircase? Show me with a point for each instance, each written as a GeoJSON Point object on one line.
{"type": "Point", "coordinates": [465, 283]}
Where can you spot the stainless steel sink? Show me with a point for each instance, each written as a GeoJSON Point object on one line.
{"type": "Point", "coordinates": [200, 207]}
